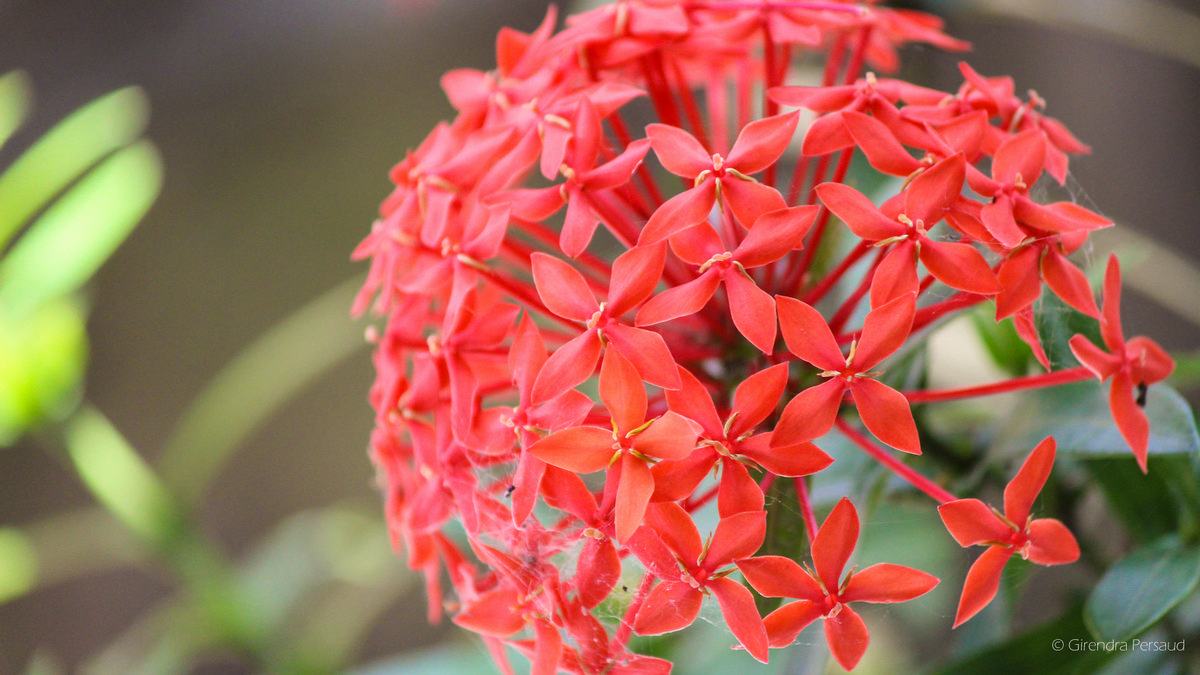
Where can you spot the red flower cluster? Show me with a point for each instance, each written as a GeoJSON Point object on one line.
{"type": "Point", "coordinates": [581, 352]}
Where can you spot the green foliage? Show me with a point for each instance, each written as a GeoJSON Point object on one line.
{"type": "Point", "coordinates": [1139, 589]}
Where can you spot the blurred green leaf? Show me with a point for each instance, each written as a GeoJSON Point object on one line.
{"type": "Point", "coordinates": [1078, 417]}
{"type": "Point", "coordinates": [66, 151]}
{"type": "Point", "coordinates": [15, 95]}
{"type": "Point", "coordinates": [1142, 501]}
{"type": "Point", "coordinates": [447, 658]}
{"type": "Point", "coordinates": [43, 356]}
{"type": "Point", "coordinates": [70, 241]}
{"type": "Point", "coordinates": [18, 564]}
{"type": "Point", "coordinates": [1002, 342]}
{"type": "Point", "coordinates": [1044, 650]}
{"type": "Point", "coordinates": [120, 479]}
{"type": "Point", "coordinates": [1139, 589]}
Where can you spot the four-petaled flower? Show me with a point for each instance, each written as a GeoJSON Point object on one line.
{"type": "Point", "coordinates": [1133, 365]}
{"type": "Point", "coordinates": [1045, 541]}
{"type": "Point", "coordinates": [823, 593]}
{"type": "Point", "coordinates": [811, 413]}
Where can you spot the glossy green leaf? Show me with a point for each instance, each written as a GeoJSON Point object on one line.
{"type": "Point", "coordinates": [1078, 417]}
{"type": "Point", "coordinates": [65, 153]}
{"type": "Point", "coordinates": [15, 95]}
{"type": "Point", "coordinates": [70, 241]}
{"type": "Point", "coordinates": [1138, 590]}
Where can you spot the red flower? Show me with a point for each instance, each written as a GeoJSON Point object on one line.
{"type": "Point", "coordinates": [824, 593]}
{"type": "Point", "coordinates": [1132, 365]}
{"type": "Point", "coordinates": [884, 410]}
{"type": "Point", "coordinates": [627, 449]}
{"type": "Point", "coordinates": [715, 177]}
{"type": "Point", "coordinates": [1045, 541]}
{"type": "Point", "coordinates": [670, 547]}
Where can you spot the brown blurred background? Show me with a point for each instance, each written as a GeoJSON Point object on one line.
{"type": "Point", "coordinates": [278, 120]}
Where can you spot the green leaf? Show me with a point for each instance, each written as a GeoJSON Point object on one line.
{"type": "Point", "coordinates": [120, 479]}
{"type": "Point", "coordinates": [1138, 590]}
{"type": "Point", "coordinates": [1078, 417]}
{"type": "Point", "coordinates": [66, 151]}
{"type": "Point", "coordinates": [18, 564]}
{"type": "Point", "coordinates": [1143, 501]}
{"type": "Point", "coordinates": [1049, 649]}
{"type": "Point", "coordinates": [70, 241]}
{"type": "Point", "coordinates": [43, 356]}
{"type": "Point", "coordinates": [15, 94]}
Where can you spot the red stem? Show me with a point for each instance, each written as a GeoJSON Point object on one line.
{"type": "Point", "coordinates": [937, 492]}
{"type": "Point", "coordinates": [1076, 374]}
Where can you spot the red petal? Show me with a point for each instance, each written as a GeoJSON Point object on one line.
{"type": "Point", "coordinates": [737, 536]}
{"type": "Point", "coordinates": [1058, 217]}
{"type": "Point", "coordinates": [847, 637]}
{"type": "Point", "coordinates": [801, 459]}
{"type": "Point", "coordinates": [756, 398]}
{"type": "Point", "coordinates": [820, 99]}
{"type": "Point", "coordinates": [753, 311]}
{"type": "Point", "coordinates": [633, 494]}
{"type": "Point", "coordinates": [566, 491]}
{"type": "Point", "coordinates": [635, 274]}
{"type": "Point", "coordinates": [858, 212]}
{"type": "Point", "coordinates": [578, 226]}
{"type": "Point", "coordinates": [807, 334]}
{"type": "Point", "coordinates": [1110, 319]}
{"type": "Point", "coordinates": [749, 200]}
{"type": "Point", "coordinates": [1022, 155]}
{"type": "Point", "coordinates": [762, 142]}
{"type": "Point", "coordinates": [1021, 282]}
{"type": "Point", "coordinates": [1100, 362]}
{"type": "Point", "coordinates": [888, 583]}
{"type": "Point", "coordinates": [569, 365]}
{"type": "Point", "coordinates": [622, 392]}
{"type": "Point", "coordinates": [548, 648]}
{"type": "Point", "coordinates": [620, 169]}
{"type": "Point", "coordinates": [647, 351]}
{"type": "Point", "coordinates": [741, 615]}
{"type": "Point", "coordinates": [880, 146]}
{"type": "Point", "coordinates": [775, 234]}
{"type": "Point", "coordinates": [654, 553]}
{"type": "Point", "coordinates": [971, 522]}
{"type": "Point", "coordinates": [578, 449]}
{"type": "Point", "coordinates": [776, 576]}
{"type": "Point", "coordinates": [809, 414]}
{"type": "Point", "coordinates": [785, 623]}
{"type": "Point", "coordinates": [935, 190]}
{"type": "Point", "coordinates": [1068, 282]}
{"type": "Point", "coordinates": [998, 219]}
{"type": "Point", "coordinates": [669, 437]}
{"type": "Point", "coordinates": [739, 491]}
{"type": "Point", "coordinates": [982, 582]}
{"type": "Point", "coordinates": [896, 276]}
{"type": "Point", "coordinates": [1131, 419]}
{"type": "Point", "coordinates": [492, 614]}
{"type": "Point", "coordinates": [1148, 363]}
{"type": "Point", "coordinates": [959, 266]}
{"type": "Point", "coordinates": [562, 288]}
{"type": "Point", "coordinates": [884, 330]}
{"type": "Point", "coordinates": [834, 543]}
{"type": "Point", "coordinates": [1051, 543]}
{"type": "Point", "coordinates": [697, 244]}
{"type": "Point", "coordinates": [683, 300]}
{"type": "Point", "coordinates": [693, 401]}
{"type": "Point", "coordinates": [679, 151]}
{"type": "Point", "coordinates": [680, 212]}
{"type": "Point", "coordinates": [886, 414]}
{"type": "Point", "coordinates": [825, 135]}
{"type": "Point", "coordinates": [1023, 489]}
{"type": "Point", "coordinates": [677, 531]}
{"type": "Point", "coordinates": [669, 607]}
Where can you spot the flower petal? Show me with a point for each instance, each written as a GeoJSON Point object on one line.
{"type": "Point", "coordinates": [847, 636]}
{"type": "Point", "coordinates": [562, 288]}
{"type": "Point", "coordinates": [886, 414]}
{"type": "Point", "coordinates": [810, 414]}
{"type": "Point", "coordinates": [982, 582]}
{"type": "Point", "coordinates": [776, 576]}
{"type": "Point", "coordinates": [669, 607]}
{"type": "Point", "coordinates": [971, 522]}
{"type": "Point", "coordinates": [680, 212]}
{"type": "Point", "coordinates": [741, 615]}
{"type": "Point", "coordinates": [884, 330]}
{"type": "Point", "coordinates": [762, 142]}
{"type": "Point", "coordinates": [888, 583]}
{"type": "Point", "coordinates": [678, 151]}
{"type": "Point", "coordinates": [807, 334]}
{"type": "Point", "coordinates": [834, 543]}
{"type": "Point", "coordinates": [752, 309]}
{"type": "Point", "coordinates": [622, 392]}
{"type": "Point", "coordinates": [784, 624]}
{"type": "Point", "coordinates": [578, 449]}
{"type": "Point", "coordinates": [1051, 543]}
{"type": "Point", "coordinates": [858, 212]}
{"type": "Point", "coordinates": [1023, 489]}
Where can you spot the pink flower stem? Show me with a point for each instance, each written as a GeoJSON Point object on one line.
{"type": "Point", "coordinates": [930, 314]}
{"type": "Point", "coordinates": [647, 179]}
{"type": "Point", "coordinates": [770, 107]}
{"type": "Point", "coordinates": [626, 627]}
{"type": "Point", "coordinates": [1076, 374]}
{"type": "Point", "coordinates": [806, 509]}
{"type": "Point", "coordinates": [937, 492]}
{"type": "Point", "coordinates": [776, 4]}
{"type": "Point", "coordinates": [818, 231]}
{"type": "Point", "coordinates": [690, 107]}
{"type": "Point", "coordinates": [843, 314]}
{"type": "Point", "coordinates": [830, 280]}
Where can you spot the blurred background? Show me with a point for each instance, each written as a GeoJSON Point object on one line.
{"type": "Point", "coordinates": [221, 346]}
